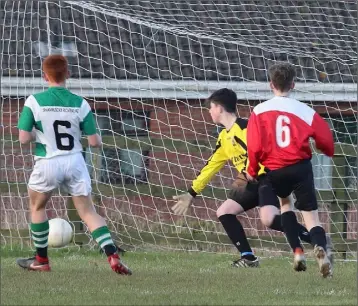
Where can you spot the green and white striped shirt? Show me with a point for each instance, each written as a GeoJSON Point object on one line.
{"type": "Point", "coordinates": [59, 118]}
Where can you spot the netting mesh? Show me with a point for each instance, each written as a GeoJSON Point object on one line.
{"type": "Point", "coordinates": [144, 66]}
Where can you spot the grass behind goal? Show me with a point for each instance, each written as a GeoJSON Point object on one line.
{"type": "Point", "coordinates": [173, 278]}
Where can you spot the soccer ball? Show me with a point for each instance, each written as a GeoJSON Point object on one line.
{"type": "Point", "coordinates": [60, 233]}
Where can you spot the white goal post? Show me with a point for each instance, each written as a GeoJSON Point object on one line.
{"type": "Point", "coordinates": [146, 68]}
{"type": "Point", "coordinates": [164, 89]}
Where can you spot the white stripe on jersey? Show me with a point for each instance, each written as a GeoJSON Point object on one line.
{"type": "Point", "coordinates": [287, 105]}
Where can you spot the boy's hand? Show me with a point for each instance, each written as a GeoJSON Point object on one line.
{"type": "Point", "coordinates": [182, 206]}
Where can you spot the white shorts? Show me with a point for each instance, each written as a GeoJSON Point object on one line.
{"type": "Point", "coordinates": [68, 172]}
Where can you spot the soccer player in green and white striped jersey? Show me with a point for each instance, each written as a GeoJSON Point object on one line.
{"type": "Point", "coordinates": [55, 120]}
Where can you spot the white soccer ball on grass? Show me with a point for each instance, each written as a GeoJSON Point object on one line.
{"type": "Point", "coordinates": [60, 233]}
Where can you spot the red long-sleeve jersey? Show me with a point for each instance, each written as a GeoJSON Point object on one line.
{"type": "Point", "coordinates": [278, 134]}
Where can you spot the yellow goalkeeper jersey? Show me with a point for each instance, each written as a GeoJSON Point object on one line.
{"type": "Point", "coordinates": [230, 145]}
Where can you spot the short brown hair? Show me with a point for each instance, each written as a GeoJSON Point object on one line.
{"type": "Point", "coordinates": [55, 67]}
{"type": "Point", "coordinates": [282, 75]}
{"type": "Point", "coordinates": [226, 98]}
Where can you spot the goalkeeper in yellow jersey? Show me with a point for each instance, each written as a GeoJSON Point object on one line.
{"type": "Point", "coordinates": [231, 145]}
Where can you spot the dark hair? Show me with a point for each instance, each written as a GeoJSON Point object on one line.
{"type": "Point", "coordinates": [56, 68]}
{"type": "Point", "coordinates": [282, 75]}
{"type": "Point", "coordinates": [226, 98]}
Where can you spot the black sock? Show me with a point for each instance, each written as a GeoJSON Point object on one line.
{"type": "Point", "coordinates": [304, 234]}
{"type": "Point", "coordinates": [237, 235]}
{"type": "Point", "coordinates": [39, 235]}
{"type": "Point", "coordinates": [110, 249]}
{"type": "Point", "coordinates": [42, 252]}
{"type": "Point", "coordinates": [290, 226]}
{"type": "Point", "coordinates": [277, 223]}
{"type": "Point", "coordinates": [103, 237]}
{"type": "Point", "coordinates": [302, 231]}
{"type": "Point", "coordinates": [318, 236]}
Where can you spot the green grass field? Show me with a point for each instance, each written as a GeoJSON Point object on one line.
{"type": "Point", "coordinates": [173, 278]}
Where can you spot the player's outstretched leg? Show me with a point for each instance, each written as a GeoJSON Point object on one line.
{"type": "Point", "coordinates": [104, 239]}
{"type": "Point", "coordinates": [237, 235]}
{"type": "Point", "coordinates": [39, 233]}
{"type": "Point", "coordinates": [100, 232]}
{"type": "Point", "coordinates": [227, 216]}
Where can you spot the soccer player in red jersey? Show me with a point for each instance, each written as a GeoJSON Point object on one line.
{"type": "Point", "coordinates": [244, 195]}
{"type": "Point", "coordinates": [278, 135]}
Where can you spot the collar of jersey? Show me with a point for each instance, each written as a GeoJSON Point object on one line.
{"type": "Point", "coordinates": [56, 87]}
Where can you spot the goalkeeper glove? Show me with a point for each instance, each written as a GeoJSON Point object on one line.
{"type": "Point", "coordinates": [182, 206]}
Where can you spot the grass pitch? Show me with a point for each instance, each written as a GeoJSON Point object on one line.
{"type": "Point", "coordinates": [173, 278]}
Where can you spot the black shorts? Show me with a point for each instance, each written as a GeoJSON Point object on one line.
{"type": "Point", "coordinates": [249, 198]}
{"type": "Point", "coordinates": [297, 178]}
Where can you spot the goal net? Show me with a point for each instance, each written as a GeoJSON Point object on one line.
{"type": "Point", "coordinates": [146, 68]}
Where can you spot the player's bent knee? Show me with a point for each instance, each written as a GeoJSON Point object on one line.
{"type": "Point", "coordinates": [268, 213]}
{"type": "Point", "coordinates": [267, 220]}
{"type": "Point", "coordinates": [229, 207]}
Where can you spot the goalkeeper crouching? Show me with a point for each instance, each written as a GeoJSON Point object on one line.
{"type": "Point", "coordinates": [231, 145]}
